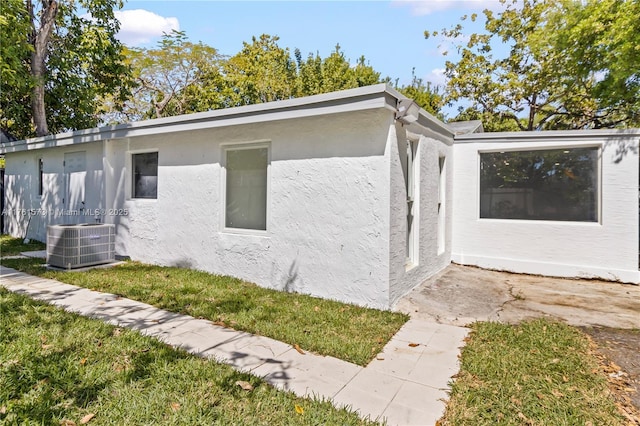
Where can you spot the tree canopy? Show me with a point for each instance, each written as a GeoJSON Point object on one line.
{"type": "Point", "coordinates": [570, 65]}
{"type": "Point", "coordinates": [57, 63]}
{"type": "Point", "coordinates": [335, 72]}
{"type": "Point", "coordinates": [180, 77]}
{"type": "Point", "coordinates": [165, 75]}
{"type": "Point", "coordinates": [261, 72]}
{"type": "Point", "coordinates": [62, 68]}
{"type": "Point", "coordinates": [426, 95]}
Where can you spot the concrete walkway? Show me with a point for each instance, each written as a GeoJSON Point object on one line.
{"type": "Point", "coordinates": [406, 384]}
{"type": "Point", "coordinates": [461, 295]}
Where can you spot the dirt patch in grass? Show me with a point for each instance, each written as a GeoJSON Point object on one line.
{"type": "Point", "coordinates": [618, 352]}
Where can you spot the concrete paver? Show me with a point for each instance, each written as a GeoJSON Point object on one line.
{"type": "Point", "coordinates": [370, 393]}
{"type": "Point", "coordinates": [307, 374]}
{"type": "Point", "coordinates": [405, 385]}
{"type": "Point", "coordinates": [415, 402]}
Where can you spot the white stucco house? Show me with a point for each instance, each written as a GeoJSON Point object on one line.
{"type": "Point", "coordinates": [558, 203]}
{"type": "Point", "coordinates": [355, 195]}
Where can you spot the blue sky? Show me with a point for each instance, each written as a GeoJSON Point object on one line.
{"type": "Point", "coordinates": [390, 34]}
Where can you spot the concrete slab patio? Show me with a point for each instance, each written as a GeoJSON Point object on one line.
{"type": "Point", "coordinates": [461, 295]}
{"type": "Point", "coordinates": [406, 384]}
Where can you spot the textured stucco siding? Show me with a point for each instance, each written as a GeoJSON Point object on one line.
{"type": "Point", "coordinates": [21, 190]}
{"type": "Point", "coordinates": [403, 278]}
{"type": "Point", "coordinates": [328, 197]}
{"type": "Point", "coordinates": [608, 249]}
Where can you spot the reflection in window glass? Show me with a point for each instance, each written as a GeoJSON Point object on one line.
{"type": "Point", "coordinates": [558, 184]}
{"type": "Point", "coordinates": [246, 192]}
{"type": "Point", "coordinates": [145, 175]}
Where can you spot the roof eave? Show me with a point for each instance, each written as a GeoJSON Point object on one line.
{"type": "Point", "coordinates": [359, 99]}
{"type": "Point", "coordinates": [550, 136]}
{"type": "Point", "coordinates": [370, 97]}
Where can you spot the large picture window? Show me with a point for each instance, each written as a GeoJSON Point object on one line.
{"type": "Point", "coordinates": [246, 187]}
{"type": "Point", "coordinates": [555, 184]}
{"type": "Point", "coordinates": [145, 175]}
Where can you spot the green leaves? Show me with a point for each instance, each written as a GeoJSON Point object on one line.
{"type": "Point", "coordinates": [564, 69]}
{"type": "Point", "coordinates": [426, 95]}
{"type": "Point", "coordinates": [335, 72]}
{"type": "Point", "coordinates": [166, 76]}
{"type": "Point", "coordinates": [261, 72]}
{"type": "Point", "coordinates": [83, 62]}
{"type": "Point", "coordinates": [180, 77]}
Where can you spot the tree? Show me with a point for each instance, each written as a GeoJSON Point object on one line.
{"type": "Point", "coordinates": [427, 96]}
{"type": "Point", "coordinates": [602, 39]}
{"type": "Point", "coordinates": [309, 81]}
{"type": "Point", "coordinates": [15, 82]}
{"type": "Point", "coordinates": [261, 72]}
{"type": "Point", "coordinates": [365, 75]}
{"type": "Point", "coordinates": [168, 77]}
{"type": "Point", "coordinates": [491, 122]}
{"type": "Point", "coordinates": [317, 75]}
{"type": "Point", "coordinates": [544, 82]}
{"type": "Point", "coordinates": [181, 77]}
{"type": "Point", "coordinates": [63, 63]}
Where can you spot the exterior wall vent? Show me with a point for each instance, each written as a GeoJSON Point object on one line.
{"type": "Point", "coordinates": [76, 246]}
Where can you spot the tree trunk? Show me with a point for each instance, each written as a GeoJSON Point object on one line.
{"type": "Point", "coordinates": [39, 39]}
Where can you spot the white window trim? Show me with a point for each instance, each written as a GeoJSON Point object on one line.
{"type": "Point", "coordinates": [129, 166]}
{"type": "Point", "coordinates": [227, 146]}
{"type": "Point", "coordinates": [413, 178]}
{"type": "Point", "coordinates": [442, 203]}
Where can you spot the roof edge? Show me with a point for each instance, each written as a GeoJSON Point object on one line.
{"type": "Point", "coordinates": [375, 96]}
{"type": "Point", "coordinates": [549, 135]}
{"type": "Point", "coordinates": [310, 103]}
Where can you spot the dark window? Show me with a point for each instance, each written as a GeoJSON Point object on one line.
{"type": "Point", "coordinates": [145, 175]}
{"type": "Point", "coordinates": [40, 176]}
{"type": "Point", "coordinates": [556, 184]}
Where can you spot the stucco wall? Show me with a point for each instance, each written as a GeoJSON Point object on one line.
{"type": "Point", "coordinates": [328, 216]}
{"type": "Point", "coordinates": [608, 249]}
{"type": "Point", "coordinates": [22, 198]}
{"type": "Point", "coordinates": [404, 277]}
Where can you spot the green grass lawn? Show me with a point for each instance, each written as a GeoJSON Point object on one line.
{"type": "Point", "coordinates": [537, 373]}
{"type": "Point", "coordinates": [10, 246]}
{"type": "Point", "coordinates": [58, 368]}
{"type": "Point", "coordinates": [327, 327]}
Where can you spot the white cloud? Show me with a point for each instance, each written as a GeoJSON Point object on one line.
{"type": "Point", "coordinates": [436, 77]}
{"type": "Point", "coordinates": [140, 26]}
{"type": "Point", "coordinates": [427, 7]}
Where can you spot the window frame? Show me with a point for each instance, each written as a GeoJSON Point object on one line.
{"type": "Point", "coordinates": [413, 187]}
{"type": "Point", "coordinates": [599, 184]}
{"type": "Point", "coordinates": [236, 146]}
{"type": "Point", "coordinates": [132, 179]}
{"type": "Point", "coordinates": [40, 165]}
{"type": "Point", "coordinates": [441, 212]}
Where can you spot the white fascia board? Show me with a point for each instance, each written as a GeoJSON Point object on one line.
{"type": "Point", "coordinates": [547, 136]}
{"type": "Point", "coordinates": [426, 121]}
{"type": "Point", "coordinates": [363, 98]}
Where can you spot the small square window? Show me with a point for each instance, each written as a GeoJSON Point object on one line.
{"type": "Point", "coordinates": [246, 187]}
{"type": "Point", "coordinates": [145, 175]}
